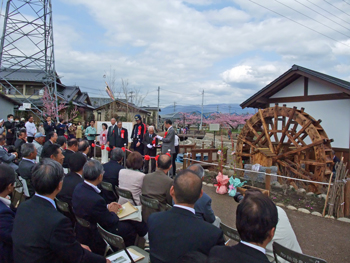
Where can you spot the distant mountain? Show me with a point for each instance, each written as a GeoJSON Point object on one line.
{"type": "Point", "coordinates": [224, 108]}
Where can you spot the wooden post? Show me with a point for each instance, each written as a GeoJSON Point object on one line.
{"type": "Point", "coordinates": [268, 180]}
{"type": "Point", "coordinates": [326, 201]}
{"type": "Point", "coordinates": [347, 198]}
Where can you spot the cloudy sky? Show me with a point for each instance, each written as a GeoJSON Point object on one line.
{"type": "Point", "coordinates": [230, 49]}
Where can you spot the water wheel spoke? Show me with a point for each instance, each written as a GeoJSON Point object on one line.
{"type": "Point", "coordinates": [286, 127]}
{"type": "Point", "coordinates": [248, 142]}
{"type": "Point", "coordinates": [300, 149]}
{"type": "Point", "coordinates": [252, 129]}
{"type": "Point", "coordinates": [302, 129]}
{"type": "Point", "coordinates": [266, 130]}
{"type": "Point", "coordinates": [292, 140]}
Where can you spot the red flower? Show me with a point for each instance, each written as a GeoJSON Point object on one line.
{"type": "Point", "coordinates": [93, 145]}
{"type": "Point", "coordinates": [108, 149]}
{"type": "Point", "coordinates": [168, 154]}
{"type": "Point", "coordinates": [154, 142]}
{"type": "Point", "coordinates": [122, 134]}
{"type": "Point", "coordinates": [147, 157]}
{"type": "Point", "coordinates": [123, 148]}
{"type": "Point", "coordinates": [113, 131]}
{"type": "Point", "coordinates": [102, 147]}
{"type": "Point", "coordinates": [165, 134]}
{"type": "Point", "coordinates": [103, 135]}
{"type": "Point", "coordinates": [157, 158]}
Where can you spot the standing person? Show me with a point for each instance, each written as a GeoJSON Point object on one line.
{"type": "Point", "coordinates": [112, 134]}
{"type": "Point", "coordinates": [79, 132]}
{"type": "Point", "coordinates": [90, 134]}
{"type": "Point", "coordinates": [71, 130]}
{"type": "Point", "coordinates": [7, 216]}
{"type": "Point", "coordinates": [137, 134]}
{"type": "Point", "coordinates": [122, 136]}
{"type": "Point", "coordinates": [229, 133]}
{"type": "Point", "coordinates": [41, 128]}
{"type": "Point", "coordinates": [31, 129]}
{"type": "Point", "coordinates": [103, 141]}
{"type": "Point", "coordinates": [169, 142]}
{"type": "Point", "coordinates": [150, 141]}
{"type": "Point", "coordinates": [49, 126]}
{"type": "Point", "coordinates": [49, 236]}
{"type": "Point", "coordinates": [10, 130]}
{"type": "Point", "coordinates": [61, 128]}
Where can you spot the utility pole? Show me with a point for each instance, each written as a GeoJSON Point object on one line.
{"type": "Point", "coordinates": [157, 121]}
{"type": "Point", "coordinates": [174, 106]}
{"type": "Point", "coordinates": [131, 95]}
{"type": "Point", "coordinates": [201, 126]}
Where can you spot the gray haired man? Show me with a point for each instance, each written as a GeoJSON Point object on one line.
{"type": "Point", "coordinates": [25, 168]}
{"type": "Point", "coordinates": [150, 142]}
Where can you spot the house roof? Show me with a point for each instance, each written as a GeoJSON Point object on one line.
{"type": "Point", "coordinates": [9, 99]}
{"type": "Point", "coordinates": [30, 75]}
{"type": "Point", "coordinates": [288, 77]}
{"type": "Point", "coordinates": [140, 109]}
{"type": "Point", "coordinates": [150, 108]}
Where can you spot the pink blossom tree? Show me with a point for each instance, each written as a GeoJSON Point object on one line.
{"type": "Point", "coordinates": [227, 120]}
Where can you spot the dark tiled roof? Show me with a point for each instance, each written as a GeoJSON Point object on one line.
{"type": "Point", "coordinates": [31, 75]}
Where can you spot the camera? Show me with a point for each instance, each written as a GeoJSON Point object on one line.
{"type": "Point", "coordinates": [238, 197]}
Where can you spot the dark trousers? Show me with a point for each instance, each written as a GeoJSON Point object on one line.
{"type": "Point", "coordinates": [10, 141]}
{"type": "Point", "coordinates": [30, 139]}
{"type": "Point", "coordinates": [129, 229]}
{"type": "Point", "coordinates": [91, 153]}
{"type": "Point", "coordinates": [152, 153]}
{"type": "Point", "coordinates": [138, 149]}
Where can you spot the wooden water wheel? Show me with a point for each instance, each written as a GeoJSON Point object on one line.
{"type": "Point", "coordinates": [288, 138]}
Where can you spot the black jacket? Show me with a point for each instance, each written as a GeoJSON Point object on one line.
{"type": "Point", "coordinates": [70, 181]}
{"type": "Point", "coordinates": [175, 232]}
{"type": "Point", "coordinates": [67, 154]}
{"type": "Point", "coordinates": [41, 234]}
{"type": "Point", "coordinates": [119, 140]}
{"type": "Point", "coordinates": [112, 136]}
{"type": "Point", "coordinates": [9, 126]}
{"type": "Point", "coordinates": [25, 171]}
{"type": "Point", "coordinates": [49, 128]}
{"type": "Point", "coordinates": [111, 175]}
{"type": "Point", "coordinates": [239, 253]}
{"type": "Point", "coordinates": [7, 216]}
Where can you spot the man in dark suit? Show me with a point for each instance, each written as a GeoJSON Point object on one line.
{"type": "Point", "coordinates": [157, 186]}
{"type": "Point", "coordinates": [49, 126]}
{"type": "Point", "coordinates": [5, 156]}
{"type": "Point", "coordinates": [121, 136]}
{"type": "Point", "coordinates": [178, 231]}
{"type": "Point", "coordinates": [72, 147]}
{"type": "Point", "coordinates": [112, 134]}
{"type": "Point", "coordinates": [41, 233]}
{"type": "Point", "coordinates": [84, 148]}
{"type": "Point", "coordinates": [111, 174]}
{"type": "Point", "coordinates": [26, 165]}
{"type": "Point", "coordinates": [51, 138]}
{"type": "Point", "coordinates": [169, 142]}
{"type": "Point", "coordinates": [256, 221]}
{"type": "Point", "coordinates": [203, 204]}
{"type": "Point", "coordinates": [7, 216]}
{"type": "Point", "coordinates": [89, 205]}
{"type": "Point", "coordinates": [22, 139]}
{"type": "Point", "coordinates": [149, 142]}
{"type": "Point", "coordinates": [73, 178]}
{"type": "Point", "coordinates": [53, 152]}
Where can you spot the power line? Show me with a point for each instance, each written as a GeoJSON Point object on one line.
{"type": "Point", "coordinates": [300, 24]}
{"type": "Point", "coordinates": [336, 7]}
{"type": "Point", "coordinates": [312, 18]}
{"type": "Point", "coordinates": [328, 12]}
{"type": "Point", "coordinates": [321, 14]}
{"type": "Point", "coordinates": [346, 2]}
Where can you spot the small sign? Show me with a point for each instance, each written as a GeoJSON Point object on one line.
{"type": "Point", "coordinates": [21, 108]}
{"type": "Point", "coordinates": [214, 127]}
{"type": "Point", "coordinates": [27, 105]}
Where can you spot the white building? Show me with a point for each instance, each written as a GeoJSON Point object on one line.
{"type": "Point", "coordinates": [323, 97]}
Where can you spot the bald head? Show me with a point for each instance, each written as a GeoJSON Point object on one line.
{"type": "Point", "coordinates": [187, 187]}
{"type": "Point", "coordinates": [164, 162]}
{"type": "Point", "coordinates": [197, 169]}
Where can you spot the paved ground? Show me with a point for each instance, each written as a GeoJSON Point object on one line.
{"type": "Point", "coordinates": [328, 239]}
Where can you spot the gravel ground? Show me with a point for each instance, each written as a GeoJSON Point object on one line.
{"type": "Point", "coordinates": [328, 239]}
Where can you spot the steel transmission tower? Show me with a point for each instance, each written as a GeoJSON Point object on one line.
{"type": "Point", "coordinates": [27, 43]}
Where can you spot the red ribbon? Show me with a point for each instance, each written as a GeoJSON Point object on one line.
{"type": "Point", "coordinates": [139, 132]}
{"type": "Point", "coordinates": [103, 135]}
{"type": "Point", "coordinates": [165, 134]}
{"type": "Point", "coordinates": [157, 158]}
{"type": "Point", "coordinates": [93, 145]}
{"type": "Point", "coordinates": [108, 149]}
{"type": "Point", "coordinates": [122, 134]}
{"type": "Point", "coordinates": [168, 154]}
{"type": "Point", "coordinates": [102, 147]}
{"type": "Point", "coordinates": [113, 131]}
{"type": "Point", "coordinates": [218, 184]}
{"type": "Point", "coordinates": [147, 157]}
{"type": "Point", "coordinates": [123, 148]}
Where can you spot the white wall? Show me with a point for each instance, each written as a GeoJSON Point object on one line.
{"type": "Point", "coordinates": [294, 89]}
{"type": "Point", "coordinates": [317, 88]}
{"type": "Point", "coordinates": [335, 116]}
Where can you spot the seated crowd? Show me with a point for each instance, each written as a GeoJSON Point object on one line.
{"type": "Point", "coordinates": [184, 230]}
